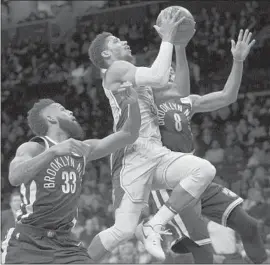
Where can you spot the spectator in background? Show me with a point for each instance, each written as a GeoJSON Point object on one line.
{"type": "Point", "coordinates": [254, 197]}
{"type": "Point", "coordinates": [215, 154]}
{"type": "Point", "coordinates": [9, 216]}
{"type": "Point", "coordinates": [233, 152]}
{"type": "Point", "coordinates": [256, 158]}
{"type": "Point", "coordinates": [89, 232]}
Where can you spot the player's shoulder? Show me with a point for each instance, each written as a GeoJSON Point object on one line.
{"type": "Point", "coordinates": [118, 72]}
{"type": "Point", "coordinates": [30, 148]}
{"type": "Point", "coordinates": [120, 67]}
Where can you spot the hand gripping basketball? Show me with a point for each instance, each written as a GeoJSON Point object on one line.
{"type": "Point", "coordinates": [185, 29]}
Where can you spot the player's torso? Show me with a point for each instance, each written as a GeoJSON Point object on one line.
{"type": "Point", "coordinates": [149, 122]}
{"type": "Point", "coordinates": [174, 115]}
{"type": "Point", "coordinates": [50, 200]}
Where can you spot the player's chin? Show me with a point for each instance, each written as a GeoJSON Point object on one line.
{"type": "Point", "coordinates": [129, 56]}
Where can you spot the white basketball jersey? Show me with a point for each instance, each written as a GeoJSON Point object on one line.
{"type": "Point", "coordinates": [149, 118]}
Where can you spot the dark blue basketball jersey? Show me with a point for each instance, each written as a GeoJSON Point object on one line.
{"type": "Point", "coordinates": [174, 115]}
{"type": "Point", "coordinates": [50, 199]}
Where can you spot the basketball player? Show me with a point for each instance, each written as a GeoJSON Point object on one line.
{"type": "Point", "coordinates": [50, 169]}
{"type": "Point", "coordinates": [175, 109]}
{"type": "Point", "coordinates": [140, 167]}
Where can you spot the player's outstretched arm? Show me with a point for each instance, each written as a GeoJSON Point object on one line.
{"type": "Point", "coordinates": [30, 157]}
{"type": "Point", "coordinates": [228, 95]}
{"type": "Point", "coordinates": [158, 73]}
{"type": "Point", "coordinates": [127, 135]}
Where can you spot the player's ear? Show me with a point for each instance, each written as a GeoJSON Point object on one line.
{"type": "Point", "coordinates": [51, 120]}
{"type": "Point", "coordinates": [106, 54]}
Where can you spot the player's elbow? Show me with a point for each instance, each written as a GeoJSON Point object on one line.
{"type": "Point", "coordinates": [161, 80]}
{"type": "Point", "coordinates": [229, 98]}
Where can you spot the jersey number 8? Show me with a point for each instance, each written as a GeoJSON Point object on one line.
{"type": "Point", "coordinates": [70, 182]}
{"type": "Point", "coordinates": [177, 122]}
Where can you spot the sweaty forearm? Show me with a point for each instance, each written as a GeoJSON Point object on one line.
{"type": "Point", "coordinates": [22, 172]}
{"type": "Point", "coordinates": [182, 76]}
{"type": "Point", "coordinates": [233, 83]}
{"type": "Point", "coordinates": [158, 73]}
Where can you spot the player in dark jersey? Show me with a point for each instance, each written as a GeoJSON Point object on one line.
{"type": "Point", "coordinates": [50, 169]}
{"type": "Point", "coordinates": [175, 109]}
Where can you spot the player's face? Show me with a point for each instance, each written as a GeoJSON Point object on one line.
{"type": "Point", "coordinates": [15, 202]}
{"type": "Point", "coordinates": [118, 49]}
{"type": "Point", "coordinates": [66, 121]}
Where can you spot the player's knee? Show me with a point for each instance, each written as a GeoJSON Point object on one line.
{"type": "Point", "coordinates": [208, 171]}
{"type": "Point", "coordinates": [126, 232]}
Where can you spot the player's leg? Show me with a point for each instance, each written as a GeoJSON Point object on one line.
{"type": "Point", "coordinates": [223, 206]}
{"type": "Point", "coordinates": [249, 230]}
{"type": "Point", "coordinates": [69, 251]}
{"type": "Point", "coordinates": [26, 246]}
{"type": "Point", "coordinates": [187, 176]}
{"type": "Point", "coordinates": [126, 220]}
{"type": "Point", "coordinates": [132, 173]}
{"type": "Point", "coordinates": [189, 231]}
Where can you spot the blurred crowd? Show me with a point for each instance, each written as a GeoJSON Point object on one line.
{"type": "Point", "coordinates": [235, 138]}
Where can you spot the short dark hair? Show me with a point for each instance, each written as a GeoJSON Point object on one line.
{"type": "Point", "coordinates": [36, 122]}
{"type": "Point", "coordinates": [96, 48]}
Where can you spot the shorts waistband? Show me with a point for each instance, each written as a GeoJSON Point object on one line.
{"type": "Point", "coordinates": [40, 231]}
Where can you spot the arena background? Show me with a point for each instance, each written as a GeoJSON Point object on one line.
{"type": "Point", "coordinates": [44, 54]}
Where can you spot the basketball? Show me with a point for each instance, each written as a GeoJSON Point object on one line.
{"type": "Point", "coordinates": [185, 29]}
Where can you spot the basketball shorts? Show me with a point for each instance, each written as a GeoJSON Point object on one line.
{"type": "Point", "coordinates": [27, 244]}
{"type": "Point", "coordinates": [136, 167]}
{"type": "Point", "coordinates": [216, 205]}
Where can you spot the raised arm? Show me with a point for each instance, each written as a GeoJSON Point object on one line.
{"type": "Point", "coordinates": [128, 134]}
{"type": "Point", "coordinates": [216, 100]}
{"type": "Point", "coordinates": [30, 157]}
{"type": "Point", "coordinates": [182, 76]}
{"type": "Point", "coordinates": [158, 73]}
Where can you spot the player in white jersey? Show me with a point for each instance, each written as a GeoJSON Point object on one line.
{"type": "Point", "coordinates": [175, 109]}
{"type": "Point", "coordinates": [145, 165]}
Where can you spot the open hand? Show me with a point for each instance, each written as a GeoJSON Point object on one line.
{"type": "Point", "coordinates": [241, 49]}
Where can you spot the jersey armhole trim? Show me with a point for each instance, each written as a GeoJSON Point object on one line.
{"type": "Point", "coordinates": [42, 138]}
{"type": "Point", "coordinates": [186, 100]}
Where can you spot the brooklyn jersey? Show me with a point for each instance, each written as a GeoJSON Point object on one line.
{"type": "Point", "coordinates": [50, 199]}
{"type": "Point", "coordinates": [174, 115]}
